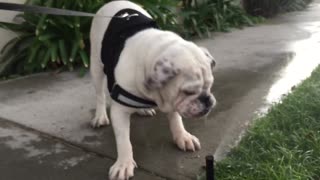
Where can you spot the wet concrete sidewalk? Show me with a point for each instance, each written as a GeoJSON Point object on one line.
{"type": "Point", "coordinates": [45, 132]}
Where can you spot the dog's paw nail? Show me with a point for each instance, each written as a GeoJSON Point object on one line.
{"type": "Point", "coordinates": [187, 142]}
{"type": "Point", "coordinates": [100, 121]}
{"type": "Point", "coordinates": [122, 170]}
{"type": "Point", "coordinates": [146, 112]}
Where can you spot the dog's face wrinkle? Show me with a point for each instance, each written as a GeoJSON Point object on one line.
{"type": "Point", "coordinates": [209, 57]}
{"type": "Point", "coordinates": [179, 71]}
{"type": "Point", "coordinates": [162, 72]}
{"type": "Point", "coordinates": [196, 83]}
{"type": "Point", "coordinates": [208, 82]}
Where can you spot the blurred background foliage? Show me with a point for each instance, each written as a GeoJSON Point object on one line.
{"type": "Point", "coordinates": [47, 42]}
{"type": "Point", "coordinates": [269, 8]}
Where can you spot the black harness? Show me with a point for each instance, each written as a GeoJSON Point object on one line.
{"type": "Point", "coordinates": [118, 31]}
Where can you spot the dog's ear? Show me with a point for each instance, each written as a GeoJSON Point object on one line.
{"type": "Point", "coordinates": [207, 53]}
{"type": "Point", "coordinates": [162, 72]}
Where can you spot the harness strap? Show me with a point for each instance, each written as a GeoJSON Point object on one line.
{"type": "Point", "coordinates": [113, 43]}
{"type": "Point", "coordinates": [123, 97]}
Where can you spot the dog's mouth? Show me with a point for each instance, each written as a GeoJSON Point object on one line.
{"type": "Point", "coordinates": [186, 115]}
{"type": "Point", "coordinates": [188, 109]}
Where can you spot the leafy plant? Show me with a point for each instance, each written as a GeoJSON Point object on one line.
{"type": "Point", "coordinates": [294, 5]}
{"type": "Point", "coordinates": [163, 11]}
{"type": "Point", "coordinates": [214, 15]}
{"type": "Point", "coordinates": [269, 8]}
{"type": "Point", "coordinates": [47, 42]}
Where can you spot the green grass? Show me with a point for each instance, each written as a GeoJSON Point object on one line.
{"type": "Point", "coordinates": [284, 144]}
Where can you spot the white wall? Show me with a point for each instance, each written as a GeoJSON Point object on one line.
{"type": "Point", "coordinates": [7, 16]}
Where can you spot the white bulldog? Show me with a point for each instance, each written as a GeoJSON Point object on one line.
{"type": "Point", "coordinates": [153, 65]}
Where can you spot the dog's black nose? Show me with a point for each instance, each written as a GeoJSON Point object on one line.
{"type": "Point", "coordinates": [206, 100]}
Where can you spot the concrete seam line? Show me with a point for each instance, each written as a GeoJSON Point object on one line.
{"type": "Point", "coordinates": [74, 145]}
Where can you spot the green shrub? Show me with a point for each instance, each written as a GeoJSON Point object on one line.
{"type": "Point", "coordinates": [47, 42]}
{"type": "Point", "coordinates": [214, 15]}
{"type": "Point", "coordinates": [269, 8]}
{"type": "Point", "coordinates": [294, 5]}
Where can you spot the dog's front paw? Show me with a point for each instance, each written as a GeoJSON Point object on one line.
{"type": "Point", "coordinates": [122, 169]}
{"type": "Point", "coordinates": [146, 112]}
{"type": "Point", "coordinates": [100, 120]}
{"type": "Point", "coordinates": [186, 141]}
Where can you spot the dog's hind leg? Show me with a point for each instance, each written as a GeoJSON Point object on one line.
{"type": "Point", "coordinates": [99, 80]}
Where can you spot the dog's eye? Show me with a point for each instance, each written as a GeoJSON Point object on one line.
{"type": "Point", "coordinates": [189, 93]}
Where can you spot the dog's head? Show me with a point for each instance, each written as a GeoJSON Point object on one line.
{"type": "Point", "coordinates": [182, 77]}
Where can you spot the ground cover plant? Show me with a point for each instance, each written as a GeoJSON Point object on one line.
{"type": "Point", "coordinates": [46, 42]}
{"type": "Point", "coordinates": [282, 145]}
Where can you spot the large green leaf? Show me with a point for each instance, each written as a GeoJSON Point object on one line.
{"type": "Point", "coordinates": [60, 42]}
